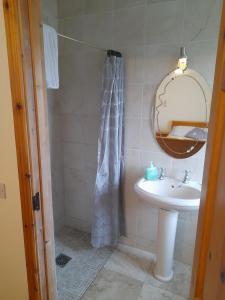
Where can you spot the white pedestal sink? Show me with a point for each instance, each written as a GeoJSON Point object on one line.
{"type": "Point", "coordinates": [170, 196]}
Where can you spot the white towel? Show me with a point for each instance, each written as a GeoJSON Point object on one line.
{"type": "Point", "coordinates": [51, 57]}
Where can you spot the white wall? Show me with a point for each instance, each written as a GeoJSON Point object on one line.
{"type": "Point", "coordinates": [149, 33]}
{"type": "Point", "coordinates": [13, 277]}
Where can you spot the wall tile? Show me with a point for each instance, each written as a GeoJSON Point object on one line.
{"type": "Point", "coordinates": [73, 155]}
{"type": "Point", "coordinates": [132, 133]}
{"type": "Point", "coordinates": [49, 8]}
{"type": "Point", "coordinates": [134, 64]}
{"type": "Point", "coordinates": [72, 67]}
{"type": "Point", "coordinates": [57, 194]}
{"type": "Point", "coordinates": [164, 21]}
{"type": "Point", "coordinates": [132, 165]}
{"type": "Point", "coordinates": [71, 98]}
{"type": "Point", "coordinates": [90, 176]}
{"type": "Point", "coordinates": [50, 20]}
{"type": "Point", "coordinates": [118, 4]}
{"type": "Point", "coordinates": [194, 164]}
{"type": "Point", "coordinates": [69, 8]}
{"type": "Point", "coordinates": [147, 140]}
{"type": "Point", "coordinates": [133, 99]}
{"type": "Point", "coordinates": [92, 98]}
{"type": "Point", "coordinates": [97, 6]}
{"type": "Point", "coordinates": [72, 128]}
{"type": "Point", "coordinates": [130, 207]}
{"type": "Point", "coordinates": [156, 1]}
{"type": "Point", "coordinates": [161, 160]}
{"type": "Point", "coordinates": [56, 155]}
{"type": "Point", "coordinates": [74, 179]}
{"type": "Point", "coordinates": [185, 240]}
{"type": "Point", "coordinates": [149, 92]}
{"type": "Point", "coordinates": [127, 31]}
{"type": "Point", "coordinates": [132, 174]}
{"type": "Point", "coordinates": [98, 29]}
{"type": "Point", "coordinates": [147, 221]}
{"type": "Point", "coordinates": [202, 58]}
{"type": "Point", "coordinates": [91, 65]}
{"type": "Point", "coordinates": [77, 203]}
{"type": "Point", "coordinates": [91, 129]}
{"type": "Point", "coordinates": [90, 156]}
{"type": "Point", "coordinates": [159, 61]}
{"type": "Point", "coordinates": [201, 20]}
{"type": "Point", "coordinates": [72, 27]}
{"type": "Point", "coordinates": [61, 41]}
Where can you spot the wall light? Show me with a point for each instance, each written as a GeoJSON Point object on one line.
{"type": "Point", "coordinates": [182, 62]}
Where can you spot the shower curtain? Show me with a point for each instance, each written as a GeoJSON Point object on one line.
{"type": "Point", "coordinates": [107, 207]}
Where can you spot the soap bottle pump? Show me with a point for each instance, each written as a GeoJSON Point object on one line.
{"type": "Point", "coordinates": [151, 173]}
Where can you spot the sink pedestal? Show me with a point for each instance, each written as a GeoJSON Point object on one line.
{"type": "Point", "coordinates": [167, 226]}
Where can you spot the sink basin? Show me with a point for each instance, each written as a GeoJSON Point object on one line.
{"type": "Point", "coordinates": [170, 194]}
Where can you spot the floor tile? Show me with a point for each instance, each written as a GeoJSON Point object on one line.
{"type": "Point", "coordinates": [125, 273]}
{"type": "Point", "coordinates": [110, 285]}
{"type": "Point", "coordinates": [179, 285]}
{"type": "Point", "coordinates": [150, 292]}
{"type": "Point", "coordinates": [131, 262]}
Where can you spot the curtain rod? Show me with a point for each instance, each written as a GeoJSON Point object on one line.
{"type": "Point", "coordinates": [81, 42]}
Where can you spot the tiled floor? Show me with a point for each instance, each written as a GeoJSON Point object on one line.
{"type": "Point", "coordinates": [81, 270]}
{"type": "Point", "coordinates": [126, 275]}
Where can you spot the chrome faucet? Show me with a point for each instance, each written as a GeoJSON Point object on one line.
{"type": "Point", "coordinates": [186, 176]}
{"type": "Point", "coordinates": [162, 173]}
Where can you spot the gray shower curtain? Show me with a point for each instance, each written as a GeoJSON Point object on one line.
{"type": "Point", "coordinates": [107, 208]}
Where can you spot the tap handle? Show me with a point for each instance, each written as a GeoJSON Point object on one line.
{"type": "Point", "coordinates": [162, 172]}
{"type": "Point", "coordinates": [187, 174]}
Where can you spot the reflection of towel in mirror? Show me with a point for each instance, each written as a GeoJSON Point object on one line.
{"type": "Point", "coordinates": [51, 56]}
{"type": "Point", "coordinates": [197, 134]}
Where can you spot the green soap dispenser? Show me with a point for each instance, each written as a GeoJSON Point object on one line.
{"type": "Point", "coordinates": [151, 173]}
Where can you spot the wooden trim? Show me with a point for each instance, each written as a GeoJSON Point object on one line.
{"type": "Point", "coordinates": [177, 147]}
{"type": "Point", "coordinates": [189, 123]}
{"type": "Point", "coordinates": [210, 182]}
{"type": "Point", "coordinates": [20, 113]}
{"type": "Point", "coordinates": [43, 142]}
{"type": "Point", "coordinates": [22, 18]}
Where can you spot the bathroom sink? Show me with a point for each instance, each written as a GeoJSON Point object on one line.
{"type": "Point", "coordinates": [169, 194]}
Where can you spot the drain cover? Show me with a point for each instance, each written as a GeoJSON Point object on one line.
{"type": "Point", "coordinates": [62, 260]}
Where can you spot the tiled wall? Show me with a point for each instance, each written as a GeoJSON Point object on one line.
{"type": "Point", "coordinates": [80, 100]}
{"type": "Point", "coordinates": [50, 17]}
{"type": "Point", "coordinates": [149, 33]}
{"type": "Point", "coordinates": [152, 53]}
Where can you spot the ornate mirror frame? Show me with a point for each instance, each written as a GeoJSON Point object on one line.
{"type": "Point", "coordinates": [177, 147]}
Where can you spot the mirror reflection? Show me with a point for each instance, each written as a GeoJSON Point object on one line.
{"type": "Point", "coordinates": [181, 113]}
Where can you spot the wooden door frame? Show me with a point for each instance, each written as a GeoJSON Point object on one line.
{"type": "Point", "coordinates": [22, 23]}
{"type": "Point", "coordinates": [211, 179]}
{"type": "Point", "coordinates": [22, 19]}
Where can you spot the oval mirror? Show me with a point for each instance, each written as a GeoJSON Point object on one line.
{"type": "Point", "coordinates": [181, 113]}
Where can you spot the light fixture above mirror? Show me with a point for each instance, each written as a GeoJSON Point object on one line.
{"type": "Point", "coordinates": [182, 62]}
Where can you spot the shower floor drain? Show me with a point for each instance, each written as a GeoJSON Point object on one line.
{"type": "Point", "coordinates": [62, 260]}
